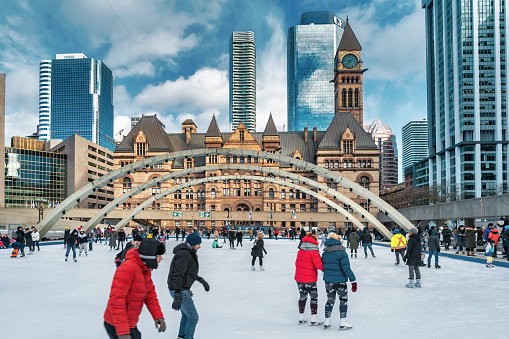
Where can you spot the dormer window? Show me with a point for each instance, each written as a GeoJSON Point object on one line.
{"type": "Point", "coordinates": [141, 149]}
{"type": "Point", "coordinates": [241, 135]}
{"type": "Point", "coordinates": [347, 146]}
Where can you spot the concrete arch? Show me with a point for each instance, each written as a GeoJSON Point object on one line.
{"type": "Point", "coordinates": [76, 197]}
{"type": "Point", "coordinates": [387, 234]}
{"type": "Point", "coordinates": [258, 169]}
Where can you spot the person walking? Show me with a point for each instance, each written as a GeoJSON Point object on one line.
{"type": "Point", "coordinates": [446, 236]}
{"type": "Point", "coordinates": [28, 241]}
{"type": "Point", "coordinates": [113, 238]}
{"type": "Point", "coordinates": [354, 243]}
{"type": "Point", "coordinates": [239, 236]}
{"type": "Point", "coordinates": [132, 287]}
{"type": "Point", "coordinates": [433, 247]}
{"type": "Point", "coordinates": [83, 241]}
{"type": "Point", "coordinates": [257, 252]}
{"type": "Point", "coordinates": [398, 245]}
{"type": "Point", "coordinates": [35, 238]}
{"type": "Point", "coordinates": [307, 264]}
{"type": "Point", "coordinates": [183, 273]}
{"type": "Point", "coordinates": [336, 273]}
{"type": "Point", "coordinates": [413, 258]}
{"type": "Point", "coordinates": [72, 242]}
{"type": "Point", "coordinates": [367, 241]}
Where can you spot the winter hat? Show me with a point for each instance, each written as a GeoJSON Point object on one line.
{"type": "Point", "coordinates": [149, 250]}
{"type": "Point", "coordinates": [193, 239]}
{"type": "Point", "coordinates": [500, 222]}
{"type": "Point", "coordinates": [138, 238]}
{"type": "Point", "coordinates": [396, 231]}
{"type": "Point", "coordinates": [413, 230]}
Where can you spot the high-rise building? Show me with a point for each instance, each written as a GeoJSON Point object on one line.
{"type": "Point", "coordinates": [76, 97]}
{"type": "Point", "coordinates": [466, 56]}
{"type": "Point", "coordinates": [243, 80]}
{"type": "Point", "coordinates": [2, 137]}
{"type": "Point", "coordinates": [415, 142]}
{"type": "Point", "coordinates": [386, 143]}
{"type": "Point", "coordinates": [311, 49]}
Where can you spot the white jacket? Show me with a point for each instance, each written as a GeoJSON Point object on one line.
{"type": "Point", "coordinates": [35, 235]}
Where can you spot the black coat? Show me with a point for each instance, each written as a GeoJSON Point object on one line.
{"type": "Point", "coordinates": [231, 235]}
{"type": "Point", "coordinates": [28, 239]}
{"type": "Point", "coordinates": [258, 249]}
{"type": "Point", "coordinates": [73, 239]}
{"type": "Point", "coordinates": [239, 236]}
{"type": "Point", "coordinates": [446, 233]}
{"type": "Point", "coordinates": [67, 232]}
{"type": "Point", "coordinates": [20, 236]}
{"type": "Point", "coordinates": [413, 250]}
{"type": "Point", "coordinates": [6, 241]}
{"type": "Point", "coordinates": [366, 237]}
{"type": "Point", "coordinates": [183, 269]}
{"type": "Point", "coordinates": [83, 239]}
{"type": "Point", "coordinates": [121, 235]}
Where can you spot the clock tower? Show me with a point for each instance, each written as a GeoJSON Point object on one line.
{"type": "Point", "coordinates": [348, 75]}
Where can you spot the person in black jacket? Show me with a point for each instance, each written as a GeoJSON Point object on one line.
{"type": "Point", "coordinates": [231, 238]}
{"type": "Point", "coordinates": [82, 242]}
{"type": "Point", "coordinates": [413, 258]}
{"type": "Point", "coordinates": [183, 273]}
{"type": "Point", "coordinates": [257, 251]}
{"type": "Point", "coordinates": [239, 236]}
{"type": "Point", "coordinates": [72, 242]}
{"type": "Point", "coordinates": [366, 242]}
{"type": "Point", "coordinates": [28, 241]}
{"type": "Point", "coordinates": [121, 238]}
{"type": "Point", "coordinates": [67, 233]}
{"type": "Point", "coordinates": [6, 241]}
{"type": "Point", "coordinates": [20, 237]}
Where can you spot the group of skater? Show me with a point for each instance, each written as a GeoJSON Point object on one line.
{"type": "Point", "coordinates": [29, 237]}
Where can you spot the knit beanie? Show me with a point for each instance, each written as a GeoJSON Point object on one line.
{"type": "Point", "coordinates": [413, 230]}
{"type": "Point", "coordinates": [149, 250]}
{"type": "Point", "coordinates": [193, 239]}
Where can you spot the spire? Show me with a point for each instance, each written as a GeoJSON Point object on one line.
{"type": "Point", "coordinates": [349, 41]}
{"type": "Point", "coordinates": [213, 130]}
{"type": "Point", "coordinates": [270, 129]}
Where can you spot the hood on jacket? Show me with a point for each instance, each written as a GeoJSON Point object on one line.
{"type": "Point", "coordinates": [182, 246]}
{"type": "Point", "coordinates": [310, 240]}
{"type": "Point", "coordinates": [494, 230]}
{"type": "Point", "coordinates": [365, 229]}
{"type": "Point", "coordinates": [333, 245]}
{"type": "Point", "coordinates": [434, 232]}
{"type": "Point", "coordinates": [309, 246]}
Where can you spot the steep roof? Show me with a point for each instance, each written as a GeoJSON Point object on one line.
{"type": "Point", "coordinates": [337, 127]}
{"type": "Point", "coordinates": [156, 136]}
{"type": "Point", "coordinates": [349, 41]}
{"type": "Point", "coordinates": [270, 128]}
{"type": "Point", "coordinates": [188, 122]}
{"type": "Point", "coordinates": [213, 130]}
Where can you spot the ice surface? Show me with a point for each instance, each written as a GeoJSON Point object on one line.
{"type": "Point", "coordinates": [41, 296]}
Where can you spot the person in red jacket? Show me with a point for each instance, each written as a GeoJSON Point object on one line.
{"type": "Point", "coordinates": [306, 266]}
{"type": "Point", "coordinates": [494, 236]}
{"type": "Point", "coordinates": [131, 288]}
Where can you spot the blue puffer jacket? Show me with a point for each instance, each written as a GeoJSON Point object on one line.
{"type": "Point", "coordinates": [336, 266]}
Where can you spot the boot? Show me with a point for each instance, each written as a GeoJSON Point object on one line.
{"type": "Point", "coordinates": [418, 283]}
{"type": "Point", "coordinates": [422, 263]}
{"type": "Point", "coordinates": [326, 324]}
{"type": "Point", "coordinates": [315, 321]}
{"type": "Point", "coordinates": [253, 268]}
{"type": "Point", "coordinates": [437, 265]}
{"type": "Point", "coordinates": [410, 283]}
{"type": "Point", "coordinates": [302, 319]}
{"type": "Point", "coordinates": [468, 254]}
{"type": "Point", "coordinates": [429, 264]}
{"type": "Point", "coordinates": [261, 268]}
{"type": "Point", "coordinates": [343, 325]}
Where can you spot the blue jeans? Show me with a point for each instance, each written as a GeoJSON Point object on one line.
{"type": "Point", "coordinates": [366, 245]}
{"type": "Point", "coordinates": [69, 249]}
{"type": "Point", "coordinates": [430, 255]}
{"type": "Point", "coordinates": [189, 315]}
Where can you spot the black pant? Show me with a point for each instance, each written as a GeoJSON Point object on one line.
{"type": "Point", "coordinates": [239, 241]}
{"type": "Point", "coordinates": [110, 329]}
{"type": "Point", "coordinates": [254, 259]}
{"type": "Point", "coordinates": [232, 244]}
{"type": "Point", "coordinates": [37, 243]}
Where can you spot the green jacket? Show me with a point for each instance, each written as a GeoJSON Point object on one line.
{"type": "Point", "coordinates": [354, 240]}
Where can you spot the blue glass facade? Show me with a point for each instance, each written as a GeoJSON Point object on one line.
{"type": "Point", "coordinates": [311, 48]}
{"type": "Point", "coordinates": [82, 100]}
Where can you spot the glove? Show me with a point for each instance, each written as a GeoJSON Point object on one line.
{"type": "Point", "coordinates": [177, 302]}
{"type": "Point", "coordinates": [354, 286]}
{"type": "Point", "coordinates": [204, 283]}
{"type": "Point", "coordinates": [439, 250]}
{"type": "Point", "coordinates": [392, 249]}
{"type": "Point", "coordinates": [125, 336]}
{"type": "Point", "coordinates": [404, 259]}
{"type": "Point", "coordinates": [162, 325]}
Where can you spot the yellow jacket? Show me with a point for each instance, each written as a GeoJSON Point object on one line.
{"type": "Point", "coordinates": [398, 241]}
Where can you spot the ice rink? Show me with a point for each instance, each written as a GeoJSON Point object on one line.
{"type": "Point", "coordinates": [44, 297]}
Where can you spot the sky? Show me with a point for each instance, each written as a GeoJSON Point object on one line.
{"type": "Point", "coordinates": [170, 57]}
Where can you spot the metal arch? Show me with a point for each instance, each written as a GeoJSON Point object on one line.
{"type": "Point", "coordinates": [140, 188]}
{"type": "Point", "coordinates": [56, 213]}
{"type": "Point", "coordinates": [280, 182]}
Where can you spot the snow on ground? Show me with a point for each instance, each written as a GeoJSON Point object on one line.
{"type": "Point", "coordinates": [41, 296]}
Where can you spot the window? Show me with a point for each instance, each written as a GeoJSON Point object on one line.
{"type": "Point", "coordinates": [350, 164]}
{"type": "Point", "coordinates": [343, 97]}
{"type": "Point", "coordinates": [213, 159]}
{"type": "Point", "coordinates": [213, 208]}
{"type": "Point", "coordinates": [363, 163]}
{"type": "Point", "coordinates": [156, 189]}
{"type": "Point", "coordinates": [141, 149]}
{"type": "Point", "coordinates": [356, 98]}
{"type": "Point", "coordinates": [358, 164]}
{"type": "Point", "coordinates": [350, 94]}
{"type": "Point", "coordinates": [271, 193]}
{"type": "Point", "coordinates": [364, 182]}
{"type": "Point", "coordinates": [241, 134]}
{"type": "Point", "coordinates": [291, 194]}
{"type": "Point", "coordinates": [348, 146]}
{"type": "Point", "coordinates": [126, 184]}
{"type": "Point", "coordinates": [283, 194]}
{"type": "Point", "coordinates": [213, 193]}
{"type": "Point", "coordinates": [326, 163]}
{"type": "Point", "coordinates": [241, 160]}
{"type": "Point", "coordinates": [189, 163]}
{"type": "Point", "coordinates": [283, 207]}
{"type": "Point", "coordinates": [369, 164]}
{"type": "Point", "coordinates": [345, 164]}
{"type": "Point", "coordinates": [303, 207]}
{"type": "Point", "coordinates": [336, 164]}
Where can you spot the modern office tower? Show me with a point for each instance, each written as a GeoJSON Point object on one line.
{"type": "Point", "coordinates": [311, 48]}
{"type": "Point", "coordinates": [2, 137]}
{"type": "Point", "coordinates": [243, 80]}
{"type": "Point", "coordinates": [386, 143]}
{"type": "Point", "coordinates": [466, 56]}
{"type": "Point", "coordinates": [415, 142]}
{"type": "Point", "coordinates": [76, 97]}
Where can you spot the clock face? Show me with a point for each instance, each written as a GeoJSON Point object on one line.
{"type": "Point", "coordinates": [349, 61]}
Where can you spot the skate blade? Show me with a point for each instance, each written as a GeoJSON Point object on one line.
{"type": "Point", "coordinates": [326, 326]}
{"type": "Point", "coordinates": [316, 323]}
{"type": "Point", "coordinates": [302, 322]}
{"type": "Point", "coordinates": [344, 328]}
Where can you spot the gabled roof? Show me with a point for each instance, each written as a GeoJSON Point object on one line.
{"type": "Point", "coordinates": [270, 128]}
{"type": "Point", "coordinates": [337, 127]}
{"type": "Point", "coordinates": [349, 41]}
{"type": "Point", "coordinates": [213, 130]}
{"type": "Point", "coordinates": [153, 130]}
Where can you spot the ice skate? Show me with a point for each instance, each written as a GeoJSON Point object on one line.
{"type": "Point", "coordinates": [437, 265]}
{"type": "Point", "coordinates": [343, 325]}
{"type": "Point", "coordinates": [253, 268]}
{"type": "Point", "coordinates": [75, 260]}
{"type": "Point", "coordinates": [66, 257]}
{"type": "Point", "coordinates": [315, 321]}
{"type": "Point", "coordinates": [429, 264]}
{"type": "Point", "coordinates": [418, 283]}
{"type": "Point", "coordinates": [356, 255]}
{"type": "Point", "coordinates": [351, 255]}
{"type": "Point", "coordinates": [410, 283]}
{"type": "Point", "coordinates": [261, 268]}
{"type": "Point", "coordinates": [302, 319]}
{"type": "Point", "coordinates": [396, 263]}
{"type": "Point", "coordinates": [373, 256]}
{"type": "Point", "coordinates": [326, 324]}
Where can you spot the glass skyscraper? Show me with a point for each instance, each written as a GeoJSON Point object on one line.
{"type": "Point", "coordinates": [76, 97]}
{"type": "Point", "coordinates": [311, 48]}
{"type": "Point", "coordinates": [466, 43]}
{"type": "Point", "coordinates": [243, 80]}
{"type": "Point", "coordinates": [415, 142]}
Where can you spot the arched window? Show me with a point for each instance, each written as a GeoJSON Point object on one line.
{"type": "Point", "coordinates": [271, 193]}
{"type": "Point", "coordinates": [343, 80]}
{"type": "Point", "coordinates": [187, 194]}
{"type": "Point", "coordinates": [156, 189]}
{"type": "Point", "coordinates": [191, 194]}
{"type": "Point", "coordinates": [350, 163]}
{"type": "Point", "coordinates": [326, 163]}
{"type": "Point", "coordinates": [283, 194]}
{"type": "Point", "coordinates": [126, 184]}
{"type": "Point", "coordinates": [291, 194]}
{"type": "Point", "coordinates": [297, 195]}
{"type": "Point", "coordinates": [350, 94]}
{"type": "Point", "coordinates": [358, 164]}
{"type": "Point", "coordinates": [364, 182]}
{"type": "Point", "coordinates": [356, 103]}
{"type": "Point", "coordinates": [343, 97]}
{"type": "Point", "coordinates": [369, 163]}
{"type": "Point", "coordinates": [345, 164]}
{"type": "Point", "coordinates": [357, 80]}
{"type": "Point", "coordinates": [336, 164]}
{"type": "Point", "coordinates": [213, 193]}
{"type": "Point", "coordinates": [363, 163]}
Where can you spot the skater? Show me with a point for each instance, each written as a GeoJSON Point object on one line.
{"type": "Point", "coordinates": [422, 237]}
{"type": "Point", "coordinates": [257, 251]}
{"type": "Point", "coordinates": [494, 237]}
{"type": "Point", "coordinates": [113, 238]}
{"type": "Point", "coordinates": [35, 238]}
{"type": "Point", "coordinates": [446, 237]}
{"type": "Point", "coordinates": [90, 239]}
{"type": "Point", "coordinates": [354, 243]}
{"type": "Point", "coordinates": [322, 240]}
{"type": "Point", "coordinates": [83, 240]}
{"type": "Point", "coordinates": [489, 254]}
{"type": "Point", "coordinates": [177, 233]}
{"type": "Point", "coordinates": [460, 239]}
{"type": "Point", "coordinates": [470, 242]}
{"type": "Point", "coordinates": [276, 233]}
{"type": "Point", "coordinates": [121, 238]}
{"type": "Point", "coordinates": [270, 233]}
{"type": "Point", "coordinates": [336, 272]}
{"type": "Point", "coordinates": [433, 247]}
{"type": "Point", "coordinates": [239, 238]}
{"type": "Point", "coordinates": [251, 234]}
{"type": "Point", "coordinates": [183, 273]}
{"type": "Point", "coordinates": [132, 287]}
{"type": "Point", "coordinates": [98, 233]}
{"type": "Point", "coordinates": [231, 238]}
{"type": "Point", "coordinates": [135, 243]}
{"type": "Point", "coordinates": [67, 233]}
{"type": "Point", "coordinates": [398, 245]}
{"type": "Point", "coordinates": [72, 242]}
{"type": "Point", "coordinates": [307, 264]}
{"type": "Point", "coordinates": [29, 242]}
{"type": "Point", "coordinates": [107, 234]}
{"type": "Point", "coordinates": [413, 258]}
{"type": "Point", "coordinates": [183, 235]}
{"type": "Point", "coordinates": [347, 236]}
{"type": "Point", "coordinates": [367, 241]}
{"type": "Point", "coordinates": [6, 241]}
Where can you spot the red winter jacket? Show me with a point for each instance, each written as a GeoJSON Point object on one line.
{"type": "Point", "coordinates": [494, 235]}
{"type": "Point", "coordinates": [308, 261]}
{"type": "Point", "coordinates": [131, 288]}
